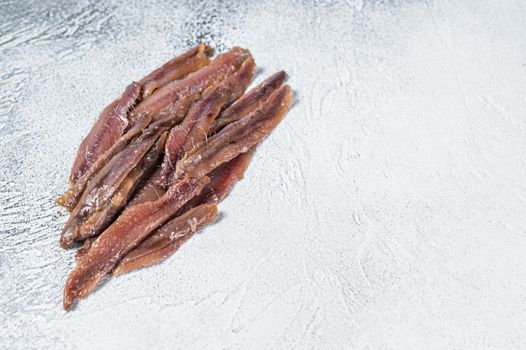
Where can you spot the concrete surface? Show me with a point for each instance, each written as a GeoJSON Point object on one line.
{"type": "Point", "coordinates": [386, 212]}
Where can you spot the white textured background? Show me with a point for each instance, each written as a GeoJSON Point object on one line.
{"type": "Point", "coordinates": [388, 210]}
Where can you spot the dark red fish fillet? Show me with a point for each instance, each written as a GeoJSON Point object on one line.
{"type": "Point", "coordinates": [252, 100]}
{"type": "Point", "coordinates": [196, 124]}
{"type": "Point", "coordinates": [130, 228]}
{"type": "Point", "coordinates": [249, 102]}
{"type": "Point", "coordinates": [197, 213]}
{"type": "Point", "coordinates": [217, 70]}
{"type": "Point", "coordinates": [160, 158]}
{"type": "Point", "coordinates": [107, 129]}
{"type": "Point", "coordinates": [103, 186]}
{"type": "Point", "coordinates": [236, 138]}
{"type": "Point", "coordinates": [103, 216]}
{"type": "Point", "coordinates": [167, 239]}
{"type": "Point", "coordinates": [176, 68]}
{"type": "Point", "coordinates": [113, 120]}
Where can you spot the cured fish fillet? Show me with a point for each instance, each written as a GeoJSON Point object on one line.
{"type": "Point", "coordinates": [159, 160]}
{"type": "Point", "coordinates": [123, 235]}
{"type": "Point", "coordinates": [113, 120]}
{"type": "Point", "coordinates": [197, 213]}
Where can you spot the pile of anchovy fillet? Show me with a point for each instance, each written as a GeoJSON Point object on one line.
{"type": "Point", "coordinates": [158, 160]}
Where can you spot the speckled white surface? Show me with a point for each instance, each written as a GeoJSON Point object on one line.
{"type": "Point", "coordinates": [386, 212]}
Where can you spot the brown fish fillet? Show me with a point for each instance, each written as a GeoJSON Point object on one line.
{"type": "Point", "coordinates": [103, 186]}
{"type": "Point", "coordinates": [107, 129]}
{"type": "Point", "coordinates": [194, 127]}
{"type": "Point", "coordinates": [156, 185]}
{"type": "Point", "coordinates": [252, 100]}
{"type": "Point", "coordinates": [226, 176]}
{"type": "Point", "coordinates": [188, 90]}
{"type": "Point", "coordinates": [85, 220]}
{"type": "Point", "coordinates": [130, 228]}
{"type": "Point", "coordinates": [113, 120]}
{"type": "Point", "coordinates": [70, 198]}
{"type": "Point", "coordinates": [236, 138]}
{"type": "Point", "coordinates": [249, 101]}
{"type": "Point", "coordinates": [150, 190]}
{"type": "Point", "coordinates": [167, 239]}
{"type": "Point", "coordinates": [197, 213]}
{"type": "Point", "coordinates": [176, 68]}
{"type": "Point", "coordinates": [222, 180]}
{"type": "Point", "coordinates": [86, 245]}
{"type": "Point", "coordinates": [217, 70]}
{"type": "Point", "coordinates": [101, 218]}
